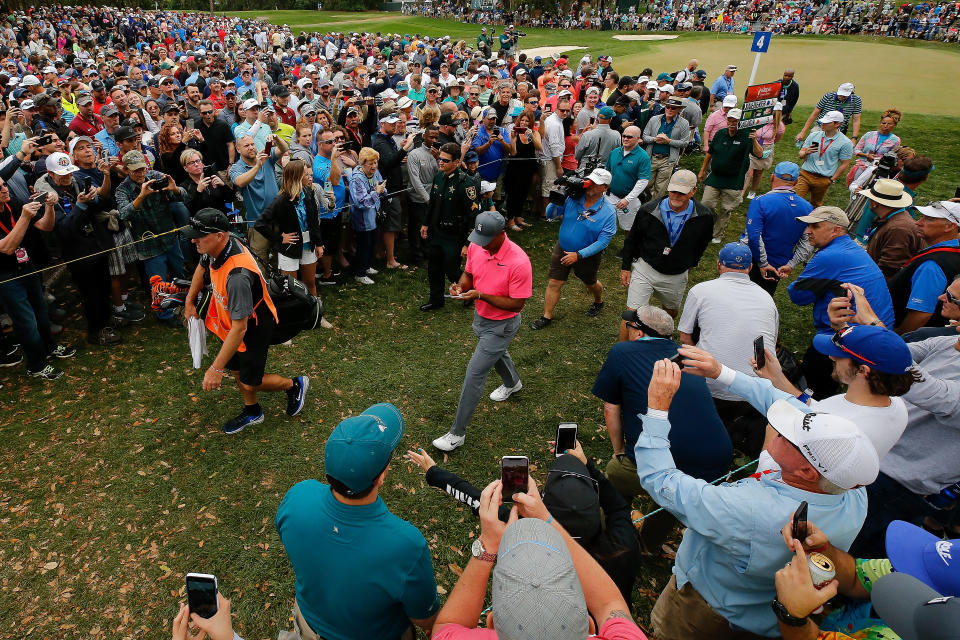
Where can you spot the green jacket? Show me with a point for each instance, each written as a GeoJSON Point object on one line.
{"type": "Point", "coordinates": [454, 203]}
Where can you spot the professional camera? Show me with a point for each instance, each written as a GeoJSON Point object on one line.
{"type": "Point", "coordinates": [887, 166]}
{"type": "Point", "coordinates": [572, 185]}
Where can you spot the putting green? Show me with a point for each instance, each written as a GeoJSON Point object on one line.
{"type": "Point", "coordinates": [886, 75]}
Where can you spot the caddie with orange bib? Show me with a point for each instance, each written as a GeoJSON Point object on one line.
{"type": "Point", "coordinates": [241, 314]}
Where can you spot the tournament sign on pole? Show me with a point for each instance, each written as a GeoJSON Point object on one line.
{"type": "Point", "coordinates": [758, 105]}
{"type": "Point", "coordinates": [761, 42]}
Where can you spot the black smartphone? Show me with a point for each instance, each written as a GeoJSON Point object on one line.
{"type": "Point", "coordinates": [202, 594]}
{"type": "Point", "coordinates": [677, 360]}
{"type": "Point", "coordinates": [158, 184]}
{"type": "Point", "coordinates": [800, 522]}
{"type": "Point", "coordinates": [44, 140]}
{"type": "Point", "coordinates": [815, 144]}
{"type": "Point", "coordinates": [758, 353]}
{"type": "Point", "coordinates": [39, 196]}
{"type": "Point", "coordinates": [268, 147]}
{"type": "Point", "coordinates": [85, 184]}
{"type": "Point", "coordinates": [593, 120]}
{"type": "Point", "coordinates": [209, 170]}
{"type": "Point", "coordinates": [514, 471]}
{"type": "Point", "coordinates": [566, 437]}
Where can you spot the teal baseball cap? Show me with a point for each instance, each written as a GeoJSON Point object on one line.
{"type": "Point", "coordinates": [360, 447]}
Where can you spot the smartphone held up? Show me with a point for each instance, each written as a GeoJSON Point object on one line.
{"type": "Point", "coordinates": [202, 594]}
{"type": "Point", "coordinates": [566, 438]}
{"type": "Point", "coordinates": [514, 471]}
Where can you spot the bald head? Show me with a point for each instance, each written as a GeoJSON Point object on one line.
{"type": "Point", "coordinates": [631, 138]}
{"type": "Point", "coordinates": [693, 64]}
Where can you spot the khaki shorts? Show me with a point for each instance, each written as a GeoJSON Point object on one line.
{"type": "Point", "coordinates": [682, 614]}
{"type": "Point", "coordinates": [761, 164]}
{"type": "Point", "coordinates": [645, 281]}
{"type": "Point", "coordinates": [549, 173]}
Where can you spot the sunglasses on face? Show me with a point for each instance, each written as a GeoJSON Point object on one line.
{"type": "Point", "coordinates": [950, 298]}
{"type": "Point", "coordinates": [206, 113]}
{"type": "Point", "coordinates": [442, 160]}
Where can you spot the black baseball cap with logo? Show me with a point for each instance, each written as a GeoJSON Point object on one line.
{"type": "Point", "coordinates": [207, 221]}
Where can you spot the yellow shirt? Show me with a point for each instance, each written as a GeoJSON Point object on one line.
{"type": "Point", "coordinates": [285, 131]}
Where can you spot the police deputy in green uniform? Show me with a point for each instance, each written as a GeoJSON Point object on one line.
{"type": "Point", "coordinates": [483, 42]}
{"type": "Point", "coordinates": [454, 201]}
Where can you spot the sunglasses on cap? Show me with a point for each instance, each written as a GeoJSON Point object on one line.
{"type": "Point", "coordinates": [200, 227]}
{"type": "Point", "coordinates": [573, 474]}
{"type": "Point", "coordinates": [640, 325]}
{"type": "Point", "coordinates": [837, 341]}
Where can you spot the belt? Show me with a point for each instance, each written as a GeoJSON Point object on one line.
{"type": "Point", "coordinates": [819, 175]}
{"type": "Point", "coordinates": [661, 155]}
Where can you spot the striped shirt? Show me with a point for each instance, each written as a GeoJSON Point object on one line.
{"type": "Point", "coordinates": [849, 107]}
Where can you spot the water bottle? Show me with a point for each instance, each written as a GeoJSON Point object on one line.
{"type": "Point", "coordinates": [947, 498]}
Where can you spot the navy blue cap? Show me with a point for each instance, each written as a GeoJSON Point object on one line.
{"type": "Point", "coordinates": [735, 256]}
{"type": "Point", "coordinates": [877, 347]}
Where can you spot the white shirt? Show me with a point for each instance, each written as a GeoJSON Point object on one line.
{"type": "Point", "coordinates": [553, 143]}
{"type": "Point", "coordinates": [731, 312]}
{"type": "Point", "coordinates": [883, 425]}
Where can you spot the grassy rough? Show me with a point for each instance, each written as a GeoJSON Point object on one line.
{"type": "Point", "coordinates": [116, 480]}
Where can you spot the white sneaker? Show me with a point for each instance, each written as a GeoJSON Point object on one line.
{"type": "Point", "coordinates": [372, 272]}
{"type": "Point", "coordinates": [751, 195]}
{"type": "Point", "coordinates": [363, 280]}
{"type": "Point", "coordinates": [503, 392]}
{"type": "Point", "coordinates": [325, 324]}
{"type": "Point", "coordinates": [448, 442]}
{"type": "Point", "coordinates": [714, 241]}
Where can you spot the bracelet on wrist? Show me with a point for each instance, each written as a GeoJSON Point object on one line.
{"type": "Point", "coordinates": [220, 371]}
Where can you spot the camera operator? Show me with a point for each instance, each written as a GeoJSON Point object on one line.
{"type": "Point", "coordinates": [589, 223]}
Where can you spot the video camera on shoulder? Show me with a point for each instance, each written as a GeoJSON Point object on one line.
{"type": "Point", "coordinates": [572, 186]}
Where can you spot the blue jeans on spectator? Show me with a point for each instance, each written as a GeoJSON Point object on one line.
{"type": "Point", "coordinates": [888, 500]}
{"type": "Point", "coordinates": [167, 265]}
{"type": "Point", "coordinates": [24, 300]}
{"type": "Point", "coordinates": [365, 241]}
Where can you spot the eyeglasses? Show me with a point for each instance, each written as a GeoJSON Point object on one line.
{"type": "Point", "coordinates": [195, 161]}
{"type": "Point", "coordinates": [837, 341]}
{"type": "Point", "coordinates": [326, 141]}
{"type": "Point", "coordinates": [951, 298]}
{"type": "Point", "coordinates": [626, 137]}
{"type": "Point", "coordinates": [563, 110]}
{"type": "Point", "coordinates": [443, 160]}
{"type": "Point", "coordinates": [339, 139]}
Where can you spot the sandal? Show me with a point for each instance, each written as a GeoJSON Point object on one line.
{"type": "Point", "coordinates": [514, 227]}
{"type": "Point", "coordinates": [402, 267]}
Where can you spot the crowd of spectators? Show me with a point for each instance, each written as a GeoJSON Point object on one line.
{"type": "Point", "coordinates": [328, 157]}
{"type": "Point", "coordinates": [923, 20]}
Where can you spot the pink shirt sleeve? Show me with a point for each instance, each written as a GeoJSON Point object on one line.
{"type": "Point", "coordinates": [521, 280]}
{"type": "Point", "coordinates": [619, 629]}
{"type": "Point", "coordinates": [458, 632]}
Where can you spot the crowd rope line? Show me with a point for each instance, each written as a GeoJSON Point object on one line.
{"type": "Point", "coordinates": [149, 235]}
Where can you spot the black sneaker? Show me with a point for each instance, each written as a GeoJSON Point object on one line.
{"type": "Point", "coordinates": [297, 395]}
{"type": "Point", "coordinates": [62, 351]}
{"type": "Point", "coordinates": [106, 337]}
{"type": "Point", "coordinates": [10, 359]}
{"type": "Point", "coordinates": [236, 425]}
{"type": "Point", "coordinates": [48, 373]}
{"type": "Point", "coordinates": [129, 314]}
{"type": "Point", "coordinates": [541, 323]}
{"type": "Point", "coordinates": [326, 281]}
{"type": "Point", "coordinates": [595, 309]}
{"type": "Point", "coordinates": [130, 304]}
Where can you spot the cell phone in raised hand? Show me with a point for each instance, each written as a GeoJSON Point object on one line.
{"type": "Point", "coordinates": [758, 353]}
{"type": "Point", "coordinates": [268, 147]}
{"type": "Point", "coordinates": [514, 471]}
{"type": "Point", "coordinates": [202, 594]}
{"type": "Point", "coordinates": [800, 522]}
{"type": "Point", "coordinates": [566, 437]}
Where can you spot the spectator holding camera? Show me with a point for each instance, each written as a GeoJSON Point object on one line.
{"type": "Point", "coordinates": [492, 144]}
{"type": "Point", "coordinates": [723, 573]}
{"type": "Point", "coordinates": [254, 175]}
{"type": "Point", "coordinates": [545, 584]}
{"type": "Point", "coordinates": [202, 188]}
{"type": "Point", "coordinates": [384, 582]}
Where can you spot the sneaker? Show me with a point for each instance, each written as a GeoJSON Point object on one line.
{"type": "Point", "coordinates": [715, 241]}
{"type": "Point", "coordinates": [106, 337]}
{"type": "Point", "coordinates": [297, 395]}
{"type": "Point", "coordinates": [541, 323]}
{"type": "Point", "coordinates": [326, 281]}
{"type": "Point", "coordinates": [325, 324]}
{"type": "Point", "coordinates": [236, 425]}
{"type": "Point", "coordinates": [129, 314]}
{"type": "Point", "coordinates": [48, 373]}
{"type": "Point", "coordinates": [751, 195]}
{"type": "Point", "coordinates": [372, 272]}
{"type": "Point", "coordinates": [503, 392]}
{"type": "Point", "coordinates": [363, 280]}
{"type": "Point", "coordinates": [449, 442]}
{"type": "Point", "coordinates": [595, 309]}
{"type": "Point", "coordinates": [62, 351]}
{"type": "Point", "coordinates": [10, 359]}
{"type": "Point", "coordinates": [130, 304]}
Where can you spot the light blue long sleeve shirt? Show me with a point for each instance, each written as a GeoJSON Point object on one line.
{"type": "Point", "coordinates": [732, 546]}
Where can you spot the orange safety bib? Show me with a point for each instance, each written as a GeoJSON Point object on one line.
{"type": "Point", "coordinates": [218, 316]}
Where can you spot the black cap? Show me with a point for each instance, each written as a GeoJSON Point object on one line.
{"type": "Point", "coordinates": [207, 221]}
{"type": "Point", "coordinates": [171, 106]}
{"type": "Point", "coordinates": [124, 133]}
{"type": "Point", "coordinates": [97, 85]}
{"type": "Point", "coordinates": [572, 496]}
{"type": "Point", "coordinates": [280, 91]}
{"type": "Point", "coordinates": [445, 118]}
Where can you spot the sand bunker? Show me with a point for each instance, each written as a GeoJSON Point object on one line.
{"type": "Point", "coordinates": [645, 37]}
{"type": "Point", "coordinates": [548, 52]}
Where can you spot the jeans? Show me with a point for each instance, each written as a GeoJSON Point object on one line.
{"type": "Point", "coordinates": [491, 352]}
{"type": "Point", "coordinates": [365, 241]}
{"type": "Point", "coordinates": [24, 301]}
{"type": "Point", "coordinates": [888, 500]}
{"type": "Point", "coordinates": [168, 264]}
{"type": "Point", "coordinates": [92, 279]}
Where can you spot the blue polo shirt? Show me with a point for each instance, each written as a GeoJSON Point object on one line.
{"type": "Point", "coordinates": [362, 572]}
{"type": "Point", "coordinates": [491, 162]}
{"type": "Point", "coordinates": [928, 282]}
{"type": "Point", "coordinates": [321, 173]}
{"type": "Point", "coordinates": [722, 86]}
{"type": "Point", "coordinates": [698, 440]}
{"type": "Point", "coordinates": [627, 170]}
{"type": "Point", "coordinates": [261, 190]}
{"type": "Point", "coordinates": [772, 220]}
{"type": "Point", "coordinates": [587, 231]}
{"type": "Point", "coordinates": [831, 153]}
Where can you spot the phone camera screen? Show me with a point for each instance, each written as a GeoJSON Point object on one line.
{"type": "Point", "coordinates": [202, 597]}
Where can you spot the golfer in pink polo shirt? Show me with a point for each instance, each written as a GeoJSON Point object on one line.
{"type": "Point", "coordinates": [498, 276]}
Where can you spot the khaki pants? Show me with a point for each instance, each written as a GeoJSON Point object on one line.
{"type": "Point", "coordinates": [685, 615]}
{"type": "Point", "coordinates": [660, 171]}
{"type": "Point", "coordinates": [302, 630]}
{"type": "Point", "coordinates": [814, 184]}
{"type": "Point", "coordinates": [259, 244]}
{"type": "Point", "coordinates": [723, 202]}
{"type": "Point", "coordinates": [622, 474]}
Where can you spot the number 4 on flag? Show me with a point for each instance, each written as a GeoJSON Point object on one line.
{"type": "Point", "coordinates": [761, 41]}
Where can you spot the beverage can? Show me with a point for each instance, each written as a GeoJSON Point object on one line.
{"type": "Point", "coordinates": [822, 572]}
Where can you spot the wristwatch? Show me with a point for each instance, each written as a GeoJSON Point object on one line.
{"type": "Point", "coordinates": [784, 616]}
{"type": "Point", "coordinates": [480, 553]}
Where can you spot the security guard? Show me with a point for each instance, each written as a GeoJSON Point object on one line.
{"type": "Point", "coordinates": [454, 201]}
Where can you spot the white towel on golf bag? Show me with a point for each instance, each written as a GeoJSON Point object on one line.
{"type": "Point", "coordinates": [197, 333]}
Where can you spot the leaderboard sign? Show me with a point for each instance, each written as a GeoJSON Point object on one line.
{"type": "Point", "coordinates": [758, 105]}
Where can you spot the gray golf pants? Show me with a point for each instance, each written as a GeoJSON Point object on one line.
{"type": "Point", "coordinates": [491, 352]}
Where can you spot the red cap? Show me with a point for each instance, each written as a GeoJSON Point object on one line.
{"type": "Point", "coordinates": [562, 61]}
